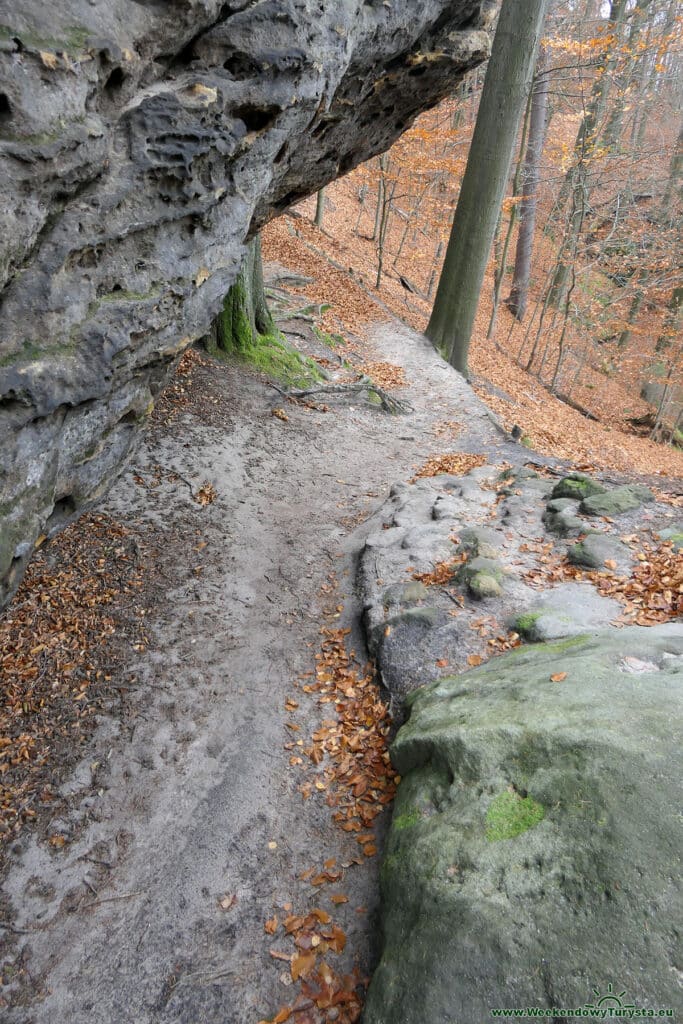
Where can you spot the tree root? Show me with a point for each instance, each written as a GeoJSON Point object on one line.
{"type": "Point", "coordinates": [389, 404]}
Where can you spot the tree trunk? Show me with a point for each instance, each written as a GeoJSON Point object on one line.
{"type": "Point", "coordinates": [501, 255]}
{"type": "Point", "coordinates": [634, 309]}
{"type": "Point", "coordinates": [519, 293]}
{"type": "Point", "coordinates": [672, 320]}
{"type": "Point", "coordinates": [319, 208]}
{"type": "Point", "coordinates": [625, 81]}
{"type": "Point", "coordinates": [674, 184]}
{"type": "Point", "coordinates": [592, 121]}
{"type": "Point", "coordinates": [245, 316]}
{"type": "Point", "coordinates": [506, 87]}
{"type": "Point", "coordinates": [383, 163]}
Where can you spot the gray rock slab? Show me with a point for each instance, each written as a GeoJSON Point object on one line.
{"type": "Point", "coordinates": [598, 548]}
{"type": "Point", "coordinates": [535, 852]}
{"type": "Point", "coordinates": [617, 501]}
{"type": "Point", "coordinates": [407, 647]}
{"type": "Point", "coordinates": [566, 610]}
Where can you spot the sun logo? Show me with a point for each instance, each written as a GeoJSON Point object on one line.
{"type": "Point", "coordinates": [610, 998]}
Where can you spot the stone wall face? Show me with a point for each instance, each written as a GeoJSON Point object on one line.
{"type": "Point", "coordinates": [142, 143]}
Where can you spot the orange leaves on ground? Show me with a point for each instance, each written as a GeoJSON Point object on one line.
{"type": "Point", "coordinates": [385, 375]}
{"type": "Point", "coordinates": [652, 593]}
{"type": "Point", "coordinates": [280, 414]}
{"type": "Point", "coordinates": [473, 660]}
{"type": "Point", "coordinates": [57, 656]}
{"type": "Point", "coordinates": [301, 965]}
{"type": "Point", "coordinates": [558, 677]}
{"type": "Point", "coordinates": [448, 428]}
{"type": "Point", "coordinates": [443, 572]}
{"type": "Point", "coordinates": [349, 753]}
{"type": "Point", "coordinates": [189, 359]}
{"type": "Point", "coordinates": [360, 779]}
{"type": "Point", "coordinates": [315, 936]}
{"type": "Point", "coordinates": [455, 463]}
{"type": "Point", "coordinates": [206, 495]}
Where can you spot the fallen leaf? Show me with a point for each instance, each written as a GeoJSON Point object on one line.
{"type": "Point", "coordinates": [558, 677]}
{"type": "Point", "coordinates": [279, 955]}
{"type": "Point", "coordinates": [280, 414]}
{"type": "Point", "coordinates": [206, 494]}
{"type": "Point", "coordinates": [228, 901]}
{"type": "Point", "coordinates": [271, 925]}
{"type": "Point", "coordinates": [302, 964]}
{"type": "Point", "coordinates": [474, 660]}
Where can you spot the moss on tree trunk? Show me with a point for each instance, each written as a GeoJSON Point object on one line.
{"type": "Point", "coordinates": [245, 317]}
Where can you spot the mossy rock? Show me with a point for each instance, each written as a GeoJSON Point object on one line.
{"type": "Point", "coordinates": [483, 577]}
{"type": "Point", "coordinates": [535, 831]}
{"type": "Point", "coordinates": [577, 486]}
{"type": "Point", "coordinates": [616, 501]}
{"type": "Point", "coordinates": [482, 585]}
{"type": "Point", "coordinates": [480, 565]}
{"type": "Point", "coordinates": [563, 522]}
{"type": "Point", "coordinates": [673, 534]}
{"type": "Point", "coordinates": [509, 815]}
{"type": "Point", "coordinates": [568, 610]}
{"type": "Point", "coordinates": [598, 548]}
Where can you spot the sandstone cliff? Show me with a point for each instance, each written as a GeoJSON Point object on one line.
{"type": "Point", "coordinates": [141, 143]}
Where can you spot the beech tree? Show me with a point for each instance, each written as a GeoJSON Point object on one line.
{"type": "Point", "coordinates": [519, 293]}
{"type": "Point", "coordinates": [245, 316]}
{"type": "Point", "coordinates": [505, 92]}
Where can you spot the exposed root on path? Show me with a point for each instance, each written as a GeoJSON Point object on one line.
{"type": "Point", "coordinates": [394, 406]}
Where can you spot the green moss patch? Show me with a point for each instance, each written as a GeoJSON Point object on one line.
{"type": "Point", "coordinates": [329, 339]}
{"type": "Point", "coordinates": [510, 815]}
{"type": "Point", "coordinates": [406, 820]}
{"type": "Point", "coordinates": [273, 356]}
{"type": "Point", "coordinates": [525, 623]}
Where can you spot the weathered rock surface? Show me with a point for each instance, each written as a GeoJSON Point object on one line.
{"type": "Point", "coordinates": [616, 501]}
{"type": "Point", "coordinates": [141, 144]}
{"type": "Point", "coordinates": [535, 849]}
{"type": "Point", "coordinates": [597, 549]}
{"type": "Point", "coordinates": [492, 537]}
{"type": "Point", "coordinates": [569, 609]}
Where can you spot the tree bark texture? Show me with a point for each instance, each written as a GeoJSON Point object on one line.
{"type": "Point", "coordinates": [519, 293]}
{"type": "Point", "coordinates": [245, 316]}
{"type": "Point", "coordinates": [506, 87]}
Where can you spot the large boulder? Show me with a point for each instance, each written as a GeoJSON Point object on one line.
{"type": "Point", "coordinates": [617, 501]}
{"type": "Point", "coordinates": [534, 856]}
{"type": "Point", "coordinates": [141, 145]}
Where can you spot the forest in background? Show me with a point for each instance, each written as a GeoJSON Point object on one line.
{"type": "Point", "coordinates": [583, 291]}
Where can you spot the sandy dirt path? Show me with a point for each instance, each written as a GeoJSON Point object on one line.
{"type": "Point", "coordinates": [125, 924]}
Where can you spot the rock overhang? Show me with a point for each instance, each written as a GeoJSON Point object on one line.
{"type": "Point", "coordinates": [141, 145]}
